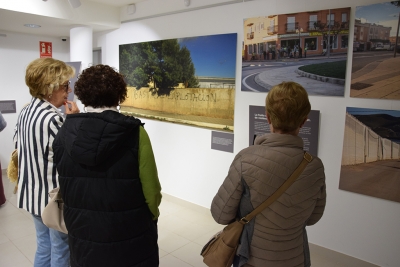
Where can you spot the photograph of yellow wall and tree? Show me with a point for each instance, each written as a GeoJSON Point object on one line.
{"type": "Point", "coordinates": [376, 51]}
{"type": "Point", "coordinates": [371, 153]}
{"type": "Point", "coordinates": [188, 80]}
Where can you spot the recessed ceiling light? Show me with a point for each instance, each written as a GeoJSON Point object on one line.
{"type": "Point", "coordinates": [32, 25]}
{"type": "Point", "coordinates": [75, 3]}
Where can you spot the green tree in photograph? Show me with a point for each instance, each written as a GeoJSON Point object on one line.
{"type": "Point", "coordinates": [138, 64]}
{"type": "Point", "coordinates": [169, 65]}
{"type": "Point", "coordinates": [155, 73]}
{"type": "Point", "coordinates": [189, 79]}
{"type": "Point", "coordinates": [125, 62]}
{"type": "Point", "coordinates": [162, 64]}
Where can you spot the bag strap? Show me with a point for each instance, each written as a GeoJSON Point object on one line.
{"type": "Point", "coordinates": [306, 159]}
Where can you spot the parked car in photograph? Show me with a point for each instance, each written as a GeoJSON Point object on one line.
{"type": "Point", "coordinates": [397, 49]}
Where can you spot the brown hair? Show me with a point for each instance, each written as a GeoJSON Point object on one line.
{"type": "Point", "coordinates": [287, 105]}
{"type": "Point", "coordinates": [44, 75]}
{"type": "Point", "coordinates": [100, 86]}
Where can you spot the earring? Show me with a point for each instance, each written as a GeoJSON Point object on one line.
{"type": "Point", "coordinates": [50, 96]}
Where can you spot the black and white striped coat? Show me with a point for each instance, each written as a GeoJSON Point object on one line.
{"type": "Point", "coordinates": [37, 126]}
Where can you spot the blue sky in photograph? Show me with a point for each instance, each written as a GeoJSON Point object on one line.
{"type": "Point", "coordinates": [384, 14]}
{"type": "Point", "coordinates": [369, 111]}
{"type": "Point", "coordinates": [213, 55]}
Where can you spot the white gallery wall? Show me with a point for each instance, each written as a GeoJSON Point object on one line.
{"type": "Point", "coordinates": [360, 226]}
{"type": "Point", "coordinates": [363, 227]}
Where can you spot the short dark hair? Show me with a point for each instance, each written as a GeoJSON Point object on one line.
{"type": "Point", "coordinates": [100, 86]}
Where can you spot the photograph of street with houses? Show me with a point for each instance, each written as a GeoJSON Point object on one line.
{"type": "Point", "coordinates": [371, 153]}
{"type": "Point", "coordinates": [376, 52]}
{"type": "Point", "coordinates": [189, 81]}
{"type": "Point", "coordinates": [309, 48]}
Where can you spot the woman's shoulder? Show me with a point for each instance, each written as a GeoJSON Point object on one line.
{"type": "Point", "coordinates": [316, 162]}
{"type": "Point", "coordinates": [38, 108]}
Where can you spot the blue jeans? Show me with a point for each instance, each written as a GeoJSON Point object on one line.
{"type": "Point", "coordinates": [52, 246]}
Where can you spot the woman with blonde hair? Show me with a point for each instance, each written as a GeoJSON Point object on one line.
{"type": "Point", "coordinates": [276, 236]}
{"type": "Point", "coordinates": [37, 126]}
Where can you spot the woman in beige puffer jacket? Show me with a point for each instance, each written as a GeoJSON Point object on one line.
{"type": "Point", "coordinates": [277, 236]}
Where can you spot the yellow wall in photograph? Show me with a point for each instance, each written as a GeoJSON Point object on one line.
{"type": "Point", "coordinates": [207, 102]}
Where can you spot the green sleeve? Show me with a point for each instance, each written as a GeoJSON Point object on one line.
{"type": "Point", "coordinates": [148, 174]}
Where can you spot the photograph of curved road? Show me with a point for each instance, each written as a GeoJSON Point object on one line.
{"type": "Point", "coordinates": [375, 75]}
{"type": "Point", "coordinates": [376, 64]}
{"type": "Point", "coordinates": [261, 76]}
{"type": "Point", "coordinates": [309, 48]}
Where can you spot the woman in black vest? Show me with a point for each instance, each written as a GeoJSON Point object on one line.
{"type": "Point", "coordinates": [108, 178]}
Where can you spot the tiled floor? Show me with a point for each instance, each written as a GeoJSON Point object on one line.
{"type": "Point", "coordinates": [183, 229]}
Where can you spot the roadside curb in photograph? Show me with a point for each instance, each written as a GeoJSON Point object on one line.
{"type": "Point", "coordinates": [320, 78]}
{"type": "Point", "coordinates": [262, 83]}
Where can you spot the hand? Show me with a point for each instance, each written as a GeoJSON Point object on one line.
{"type": "Point", "coordinates": [71, 107]}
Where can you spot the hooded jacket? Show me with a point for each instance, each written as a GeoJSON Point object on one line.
{"type": "Point", "coordinates": [276, 236]}
{"type": "Point", "coordinates": [108, 220]}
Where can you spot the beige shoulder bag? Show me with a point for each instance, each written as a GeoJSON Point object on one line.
{"type": "Point", "coordinates": [53, 213]}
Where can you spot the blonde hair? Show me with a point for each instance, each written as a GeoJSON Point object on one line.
{"type": "Point", "coordinates": [288, 106]}
{"type": "Point", "coordinates": [44, 75]}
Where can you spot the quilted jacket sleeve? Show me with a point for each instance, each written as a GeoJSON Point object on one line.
{"type": "Point", "coordinates": [148, 174]}
{"type": "Point", "coordinates": [226, 202]}
{"type": "Point", "coordinates": [321, 200]}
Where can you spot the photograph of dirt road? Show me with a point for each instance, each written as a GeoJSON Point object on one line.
{"type": "Point", "coordinates": [376, 56]}
{"type": "Point", "coordinates": [309, 48]}
{"type": "Point", "coordinates": [371, 153]}
{"type": "Point", "coordinates": [188, 81]}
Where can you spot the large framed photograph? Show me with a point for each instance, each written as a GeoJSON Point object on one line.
{"type": "Point", "coordinates": [376, 50]}
{"type": "Point", "coordinates": [371, 153]}
{"type": "Point", "coordinates": [309, 48]}
{"type": "Point", "coordinates": [188, 80]}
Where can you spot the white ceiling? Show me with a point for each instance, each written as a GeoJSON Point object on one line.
{"type": "Point", "coordinates": [57, 17]}
{"type": "Point", "coordinates": [118, 3]}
